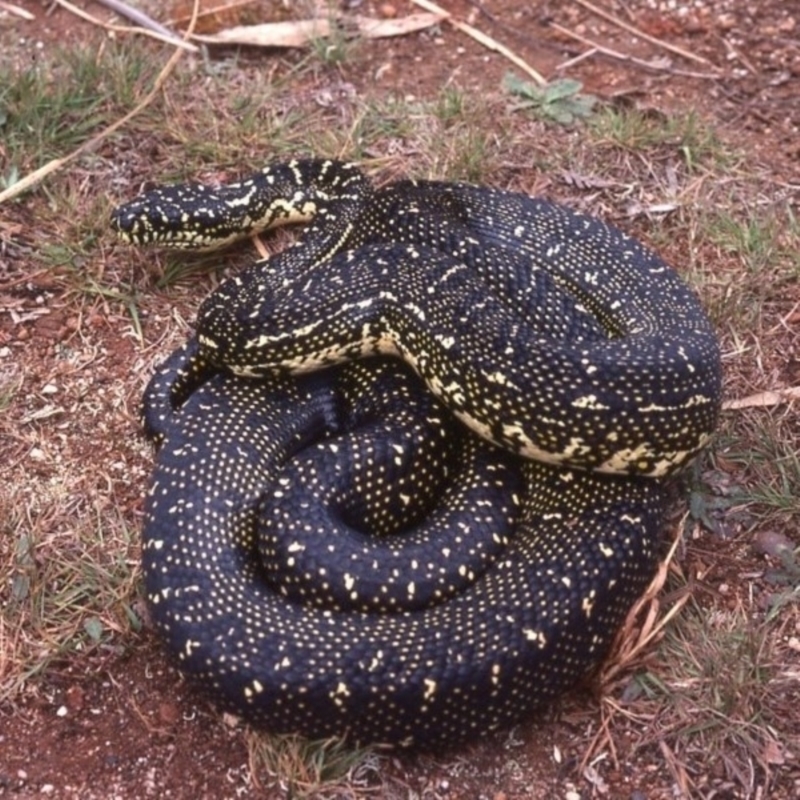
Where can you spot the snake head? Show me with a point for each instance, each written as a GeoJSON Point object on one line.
{"type": "Point", "coordinates": [190, 216]}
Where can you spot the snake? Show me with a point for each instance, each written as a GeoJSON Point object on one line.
{"type": "Point", "coordinates": [412, 470]}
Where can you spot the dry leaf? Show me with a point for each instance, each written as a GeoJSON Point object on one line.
{"type": "Point", "coordinates": [764, 399]}
{"type": "Point", "coordinates": [301, 32]}
{"type": "Point", "coordinates": [14, 9]}
{"type": "Point", "coordinates": [773, 753]}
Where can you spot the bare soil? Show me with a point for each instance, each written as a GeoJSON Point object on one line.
{"type": "Point", "coordinates": [121, 722]}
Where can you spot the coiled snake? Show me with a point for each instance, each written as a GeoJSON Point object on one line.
{"type": "Point", "coordinates": [437, 556]}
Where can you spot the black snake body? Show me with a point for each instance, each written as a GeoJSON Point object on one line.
{"type": "Point", "coordinates": [549, 333]}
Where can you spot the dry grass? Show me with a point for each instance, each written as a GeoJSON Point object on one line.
{"type": "Point", "coordinates": [712, 696]}
{"type": "Point", "coordinates": [84, 322]}
{"type": "Point", "coordinates": [302, 769]}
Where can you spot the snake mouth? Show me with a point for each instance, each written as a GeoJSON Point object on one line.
{"type": "Point", "coordinates": [129, 226]}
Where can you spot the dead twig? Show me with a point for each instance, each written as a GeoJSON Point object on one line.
{"type": "Point", "coordinates": [632, 59]}
{"type": "Point", "coordinates": [629, 642]}
{"type": "Point", "coordinates": [484, 39]}
{"type": "Point", "coordinates": [738, 55]}
{"type": "Point", "coordinates": [37, 175]}
{"type": "Point", "coordinates": [149, 27]}
{"type": "Point", "coordinates": [225, 7]}
{"type": "Point", "coordinates": [641, 34]}
{"type": "Point", "coordinates": [677, 770]}
{"type": "Point", "coordinates": [764, 399]}
{"type": "Point", "coordinates": [140, 18]}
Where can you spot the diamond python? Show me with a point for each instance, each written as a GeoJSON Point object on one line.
{"type": "Point", "coordinates": [410, 475]}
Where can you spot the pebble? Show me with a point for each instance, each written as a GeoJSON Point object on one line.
{"type": "Point", "coordinates": [168, 713]}
{"type": "Point", "coordinates": [772, 543]}
{"type": "Point", "coordinates": [726, 21]}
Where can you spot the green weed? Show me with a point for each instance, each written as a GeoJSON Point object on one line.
{"type": "Point", "coordinates": [338, 47]}
{"type": "Point", "coordinates": [52, 107]}
{"type": "Point", "coordinates": [561, 101]}
{"type": "Point", "coordinates": [719, 689]}
{"type": "Point", "coordinates": [685, 136]}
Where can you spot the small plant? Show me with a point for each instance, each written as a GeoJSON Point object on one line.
{"type": "Point", "coordinates": [450, 104]}
{"type": "Point", "coordinates": [10, 178]}
{"type": "Point", "coordinates": [337, 46]}
{"type": "Point", "coordinates": [560, 101]}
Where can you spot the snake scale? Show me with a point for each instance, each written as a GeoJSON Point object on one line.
{"type": "Point", "coordinates": [411, 469]}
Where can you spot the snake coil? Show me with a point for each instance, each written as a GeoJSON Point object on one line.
{"type": "Point", "coordinates": [410, 475]}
